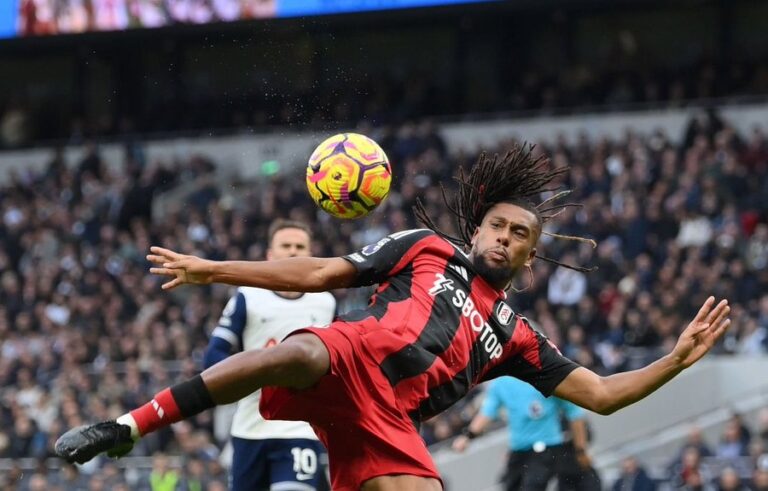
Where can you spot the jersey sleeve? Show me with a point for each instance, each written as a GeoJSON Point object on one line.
{"type": "Point", "coordinates": [492, 402]}
{"type": "Point", "coordinates": [376, 262]}
{"type": "Point", "coordinates": [232, 322]}
{"type": "Point", "coordinates": [535, 360]}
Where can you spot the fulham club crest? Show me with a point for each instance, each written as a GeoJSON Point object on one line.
{"type": "Point", "coordinates": [504, 313]}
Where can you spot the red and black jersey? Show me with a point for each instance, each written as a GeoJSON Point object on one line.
{"type": "Point", "coordinates": [437, 328]}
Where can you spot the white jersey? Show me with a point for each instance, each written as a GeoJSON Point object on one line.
{"type": "Point", "coordinates": [254, 319]}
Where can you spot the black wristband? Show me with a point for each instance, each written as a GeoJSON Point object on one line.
{"type": "Point", "coordinates": [469, 433]}
{"type": "Point", "coordinates": [192, 396]}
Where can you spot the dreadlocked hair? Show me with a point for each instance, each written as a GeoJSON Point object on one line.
{"type": "Point", "coordinates": [516, 178]}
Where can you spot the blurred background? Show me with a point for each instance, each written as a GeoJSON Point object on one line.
{"type": "Point", "coordinates": [187, 124]}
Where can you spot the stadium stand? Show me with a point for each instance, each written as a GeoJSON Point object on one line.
{"type": "Point", "coordinates": [86, 333]}
{"type": "Point", "coordinates": [83, 324]}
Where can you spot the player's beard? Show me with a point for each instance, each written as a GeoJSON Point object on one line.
{"type": "Point", "coordinates": [499, 276]}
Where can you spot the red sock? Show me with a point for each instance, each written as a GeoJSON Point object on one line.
{"type": "Point", "coordinates": [160, 412]}
{"type": "Point", "coordinates": [171, 405]}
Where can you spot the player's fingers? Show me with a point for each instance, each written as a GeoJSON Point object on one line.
{"type": "Point", "coordinates": [172, 284]}
{"type": "Point", "coordinates": [697, 328]}
{"type": "Point", "coordinates": [720, 317]}
{"type": "Point", "coordinates": [163, 271]}
{"type": "Point", "coordinates": [721, 328]}
{"type": "Point", "coordinates": [174, 264]}
{"type": "Point", "coordinates": [704, 310]}
{"type": "Point", "coordinates": [167, 253]}
{"type": "Point", "coordinates": [156, 259]}
{"type": "Point", "coordinates": [717, 311]}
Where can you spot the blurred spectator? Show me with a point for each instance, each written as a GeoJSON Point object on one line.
{"type": "Point", "coordinates": [760, 475]}
{"type": "Point", "coordinates": [730, 481]}
{"type": "Point", "coordinates": [15, 124]}
{"type": "Point", "coordinates": [195, 476]}
{"type": "Point", "coordinates": [69, 477]}
{"type": "Point", "coordinates": [690, 474]}
{"type": "Point", "coordinates": [566, 286]}
{"type": "Point", "coordinates": [731, 443]}
{"type": "Point", "coordinates": [633, 477]}
{"type": "Point", "coordinates": [163, 477]}
{"type": "Point", "coordinates": [695, 440]}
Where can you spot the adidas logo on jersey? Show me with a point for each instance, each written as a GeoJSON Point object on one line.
{"type": "Point", "coordinates": [461, 270]}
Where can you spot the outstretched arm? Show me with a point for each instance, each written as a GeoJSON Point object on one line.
{"type": "Point", "coordinates": [476, 427]}
{"type": "Point", "coordinates": [579, 438]}
{"type": "Point", "coordinates": [606, 395]}
{"type": "Point", "coordinates": [299, 274]}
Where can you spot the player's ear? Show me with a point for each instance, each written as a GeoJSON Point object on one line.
{"type": "Point", "coordinates": [531, 257]}
{"type": "Point", "coordinates": [474, 236]}
{"type": "Point", "coordinates": [269, 254]}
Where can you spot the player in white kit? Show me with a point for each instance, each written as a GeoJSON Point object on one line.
{"type": "Point", "coordinates": [271, 455]}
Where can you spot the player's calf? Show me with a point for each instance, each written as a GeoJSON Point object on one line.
{"type": "Point", "coordinates": [299, 362]}
{"type": "Point", "coordinates": [169, 406]}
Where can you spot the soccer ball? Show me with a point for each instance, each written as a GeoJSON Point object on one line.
{"type": "Point", "coordinates": [348, 175]}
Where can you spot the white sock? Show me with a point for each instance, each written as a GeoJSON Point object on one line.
{"type": "Point", "coordinates": [127, 419]}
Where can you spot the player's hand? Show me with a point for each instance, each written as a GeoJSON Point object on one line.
{"type": "Point", "coordinates": [184, 269]}
{"type": "Point", "coordinates": [583, 459]}
{"type": "Point", "coordinates": [702, 333]}
{"type": "Point", "coordinates": [460, 443]}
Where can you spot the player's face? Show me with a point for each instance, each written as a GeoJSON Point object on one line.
{"type": "Point", "coordinates": [504, 243]}
{"type": "Point", "coordinates": [288, 242]}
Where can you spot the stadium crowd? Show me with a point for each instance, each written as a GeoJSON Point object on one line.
{"type": "Point", "coordinates": [86, 333]}
{"type": "Point", "coordinates": [386, 97]}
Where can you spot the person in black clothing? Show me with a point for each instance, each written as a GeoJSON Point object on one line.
{"type": "Point", "coordinates": [633, 478]}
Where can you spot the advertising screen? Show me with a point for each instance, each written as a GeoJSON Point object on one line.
{"type": "Point", "coordinates": [22, 18]}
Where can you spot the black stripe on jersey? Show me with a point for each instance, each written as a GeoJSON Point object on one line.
{"type": "Point", "coordinates": [442, 397]}
{"type": "Point", "coordinates": [397, 290]}
{"type": "Point", "coordinates": [445, 395]}
{"type": "Point", "coordinates": [553, 370]}
{"type": "Point", "coordinates": [435, 337]}
{"type": "Point", "coordinates": [376, 262]}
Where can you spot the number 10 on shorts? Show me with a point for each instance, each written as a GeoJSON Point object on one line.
{"type": "Point", "coordinates": [304, 462]}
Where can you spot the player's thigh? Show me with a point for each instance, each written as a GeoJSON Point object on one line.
{"type": "Point", "coordinates": [304, 358]}
{"type": "Point", "coordinates": [249, 465]}
{"type": "Point", "coordinates": [296, 465]}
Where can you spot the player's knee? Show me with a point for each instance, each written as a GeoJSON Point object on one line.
{"type": "Point", "coordinates": [307, 358]}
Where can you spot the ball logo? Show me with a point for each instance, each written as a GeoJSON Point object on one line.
{"type": "Point", "coordinates": [504, 313]}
